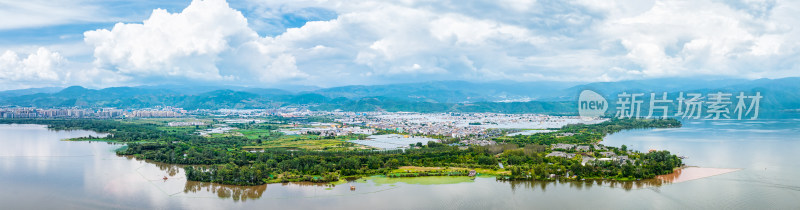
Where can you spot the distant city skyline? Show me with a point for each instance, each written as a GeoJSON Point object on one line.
{"type": "Point", "coordinates": [334, 43]}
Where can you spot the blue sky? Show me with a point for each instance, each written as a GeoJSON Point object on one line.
{"type": "Point", "coordinates": [337, 42]}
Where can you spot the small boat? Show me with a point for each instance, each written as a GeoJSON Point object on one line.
{"type": "Point", "coordinates": [165, 178]}
{"type": "Point", "coordinates": [352, 188]}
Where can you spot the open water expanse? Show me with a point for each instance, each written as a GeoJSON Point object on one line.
{"type": "Point", "coordinates": [38, 170]}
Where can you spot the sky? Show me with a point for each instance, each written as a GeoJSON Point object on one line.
{"type": "Point", "coordinates": [325, 43]}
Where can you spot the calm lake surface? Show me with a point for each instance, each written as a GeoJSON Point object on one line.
{"type": "Point", "coordinates": [38, 170]}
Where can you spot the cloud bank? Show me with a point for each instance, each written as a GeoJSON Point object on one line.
{"type": "Point", "coordinates": [329, 43]}
{"type": "Point", "coordinates": [33, 69]}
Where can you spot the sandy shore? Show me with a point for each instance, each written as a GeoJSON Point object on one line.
{"type": "Point", "coordinates": [691, 173]}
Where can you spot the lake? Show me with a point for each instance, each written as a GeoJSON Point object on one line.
{"type": "Point", "coordinates": [38, 170]}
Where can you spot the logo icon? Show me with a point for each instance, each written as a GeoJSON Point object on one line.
{"type": "Point", "coordinates": [591, 104]}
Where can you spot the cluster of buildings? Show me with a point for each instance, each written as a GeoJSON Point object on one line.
{"type": "Point", "coordinates": [330, 130]}
{"type": "Point", "coordinates": [179, 124]}
{"type": "Point", "coordinates": [49, 113]}
{"type": "Point", "coordinates": [156, 113]}
{"type": "Point", "coordinates": [222, 128]}
{"type": "Point", "coordinates": [470, 128]}
{"type": "Point", "coordinates": [253, 113]}
{"type": "Point", "coordinates": [479, 142]}
{"type": "Point", "coordinates": [456, 125]}
{"type": "Point", "coordinates": [393, 141]}
{"type": "Point", "coordinates": [28, 112]}
{"type": "Point", "coordinates": [246, 113]}
{"type": "Point", "coordinates": [467, 126]}
{"type": "Point", "coordinates": [565, 151]}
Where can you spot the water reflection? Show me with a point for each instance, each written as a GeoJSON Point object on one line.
{"type": "Point", "coordinates": [692, 173]}
{"type": "Point", "coordinates": [172, 170]}
{"type": "Point", "coordinates": [174, 173]}
{"type": "Point", "coordinates": [237, 193]}
{"type": "Point", "coordinates": [585, 184]}
{"type": "Point", "coordinates": [36, 166]}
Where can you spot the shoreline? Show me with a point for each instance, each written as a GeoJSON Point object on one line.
{"type": "Point", "coordinates": [690, 173]}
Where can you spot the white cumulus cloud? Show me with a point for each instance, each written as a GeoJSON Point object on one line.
{"type": "Point", "coordinates": [586, 40]}
{"type": "Point", "coordinates": [200, 43]}
{"type": "Point", "coordinates": [339, 42]}
{"type": "Point", "coordinates": [35, 69]}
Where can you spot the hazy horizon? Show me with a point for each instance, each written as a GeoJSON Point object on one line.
{"type": "Point", "coordinates": [300, 88]}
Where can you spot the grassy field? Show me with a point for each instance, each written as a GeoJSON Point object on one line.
{"type": "Point", "coordinates": [307, 142]}
{"type": "Point", "coordinates": [418, 169]}
{"type": "Point", "coordinates": [255, 133]}
{"type": "Point", "coordinates": [163, 121]}
{"type": "Point", "coordinates": [301, 144]}
{"type": "Point", "coordinates": [179, 129]}
{"type": "Point", "coordinates": [269, 138]}
{"type": "Point", "coordinates": [428, 180]}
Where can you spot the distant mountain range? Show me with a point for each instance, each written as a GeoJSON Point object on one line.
{"type": "Point", "coordinates": [28, 91]}
{"type": "Point", "coordinates": [440, 96]}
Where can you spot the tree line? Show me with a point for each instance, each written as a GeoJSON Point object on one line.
{"type": "Point", "coordinates": [222, 159]}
